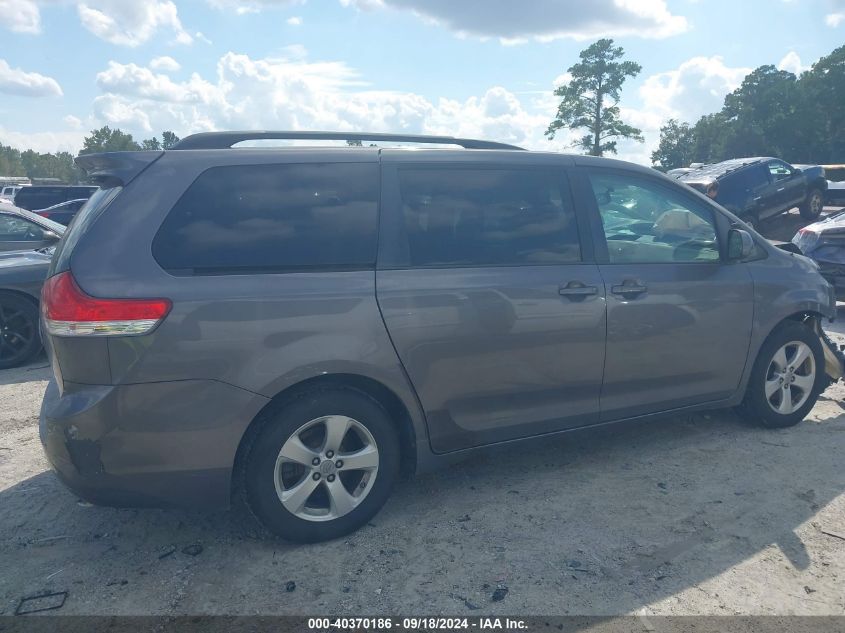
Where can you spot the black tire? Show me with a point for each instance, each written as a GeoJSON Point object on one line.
{"type": "Point", "coordinates": [259, 483]}
{"type": "Point", "coordinates": [20, 339]}
{"type": "Point", "coordinates": [756, 406]}
{"type": "Point", "coordinates": [812, 206]}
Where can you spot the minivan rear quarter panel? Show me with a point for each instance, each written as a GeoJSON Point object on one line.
{"type": "Point", "coordinates": [259, 333]}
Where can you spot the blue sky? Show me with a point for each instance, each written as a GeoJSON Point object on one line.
{"type": "Point", "coordinates": [471, 67]}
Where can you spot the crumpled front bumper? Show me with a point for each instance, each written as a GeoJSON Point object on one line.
{"type": "Point", "coordinates": [834, 358]}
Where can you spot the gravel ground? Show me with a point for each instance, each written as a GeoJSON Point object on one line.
{"type": "Point", "coordinates": [698, 514]}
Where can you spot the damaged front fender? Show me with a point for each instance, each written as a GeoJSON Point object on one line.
{"type": "Point", "coordinates": [834, 359]}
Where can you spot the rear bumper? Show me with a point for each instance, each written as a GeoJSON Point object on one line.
{"type": "Point", "coordinates": [169, 444]}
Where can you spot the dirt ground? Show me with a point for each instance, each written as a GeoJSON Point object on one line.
{"type": "Point", "coordinates": [698, 514]}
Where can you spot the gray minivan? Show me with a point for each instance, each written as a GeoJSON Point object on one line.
{"type": "Point", "coordinates": [296, 326]}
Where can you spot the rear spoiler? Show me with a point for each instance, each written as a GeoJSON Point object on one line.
{"type": "Point", "coordinates": [113, 169]}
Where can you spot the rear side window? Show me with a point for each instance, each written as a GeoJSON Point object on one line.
{"type": "Point", "coordinates": [273, 218]}
{"type": "Point", "coordinates": [89, 212]}
{"type": "Point", "coordinates": [487, 217]}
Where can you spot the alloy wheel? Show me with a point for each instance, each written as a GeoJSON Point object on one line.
{"type": "Point", "coordinates": [326, 468]}
{"type": "Point", "coordinates": [790, 378]}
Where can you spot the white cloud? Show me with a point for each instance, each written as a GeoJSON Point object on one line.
{"type": "Point", "coordinates": [837, 15]}
{"type": "Point", "coordinates": [165, 63]}
{"type": "Point", "coordinates": [513, 22]}
{"type": "Point", "coordinates": [250, 6]}
{"type": "Point", "coordinates": [43, 141]}
{"type": "Point", "coordinates": [73, 121]}
{"type": "Point", "coordinates": [294, 20]}
{"type": "Point", "coordinates": [139, 81]}
{"type": "Point", "coordinates": [834, 19]}
{"type": "Point", "coordinates": [791, 62]}
{"type": "Point", "coordinates": [131, 23]}
{"type": "Point", "coordinates": [560, 80]}
{"type": "Point", "coordinates": [21, 16]}
{"type": "Point", "coordinates": [297, 94]}
{"type": "Point", "coordinates": [697, 87]}
{"type": "Point", "coordinates": [15, 81]}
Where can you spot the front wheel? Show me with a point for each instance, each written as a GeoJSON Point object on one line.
{"type": "Point", "coordinates": [812, 207]}
{"type": "Point", "coordinates": [322, 466]}
{"type": "Point", "coordinates": [787, 377]}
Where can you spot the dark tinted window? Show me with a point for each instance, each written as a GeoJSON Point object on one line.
{"type": "Point", "coordinates": [487, 217]}
{"type": "Point", "coordinates": [254, 218]}
{"type": "Point", "coordinates": [755, 177]}
{"type": "Point", "coordinates": [92, 210]}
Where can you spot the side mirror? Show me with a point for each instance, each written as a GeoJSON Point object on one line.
{"type": "Point", "coordinates": [740, 244]}
{"type": "Point", "coordinates": [49, 236]}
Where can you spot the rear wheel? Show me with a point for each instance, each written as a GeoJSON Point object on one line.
{"type": "Point", "coordinates": [19, 337]}
{"type": "Point", "coordinates": [322, 466]}
{"type": "Point", "coordinates": [787, 377]}
{"type": "Point", "coordinates": [812, 206]}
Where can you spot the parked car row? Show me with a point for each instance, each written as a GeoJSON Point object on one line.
{"type": "Point", "coordinates": [27, 242]}
{"type": "Point", "coordinates": [44, 196]}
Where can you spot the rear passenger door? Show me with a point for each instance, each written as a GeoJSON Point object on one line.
{"type": "Point", "coordinates": [491, 298]}
{"type": "Point", "coordinates": [679, 318]}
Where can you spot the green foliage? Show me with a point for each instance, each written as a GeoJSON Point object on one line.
{"type": "Point", "coordinates": [107, 140]}
{"type": "Point", "coordinates": [589, 101]}
{"type": "Point", "coordinates": [773, 113]}
{"type": "Point", "coordinates": [677, 146]}
{"type": "Point", "coordinates": [14, 162]}
{"type": "Point", "coordinates": [168, 139]}
{"type": "Point", "coordinates": [150, 143]}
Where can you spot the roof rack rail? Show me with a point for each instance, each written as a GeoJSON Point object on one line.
{"type": "Point", "coordinates": [225, 140]}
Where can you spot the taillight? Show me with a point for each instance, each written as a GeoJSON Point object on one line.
{"type": "Point", "coordinates": [68, 311]}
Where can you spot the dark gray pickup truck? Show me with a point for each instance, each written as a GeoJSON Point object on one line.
{"type": "Point", "coordinates": [759, 188]}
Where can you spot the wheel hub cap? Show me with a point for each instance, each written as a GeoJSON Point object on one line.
{"type": "Point", "coordinates": [790, 378]}
{"type": "Point", "coordinates": [326, 468]}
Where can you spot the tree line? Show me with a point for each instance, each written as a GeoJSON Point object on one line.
{"type": "Point", "coordinates": [800, 119]}
{"type": "Point", "coordinates": [14, 162]}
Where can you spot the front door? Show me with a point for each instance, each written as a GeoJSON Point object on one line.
{"type": "Point", "coordinates": [490, 299]}
{"type": "Point", "coordinates": [679, 318]}
{"type": "Point", "coordinates": [787, 187]}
